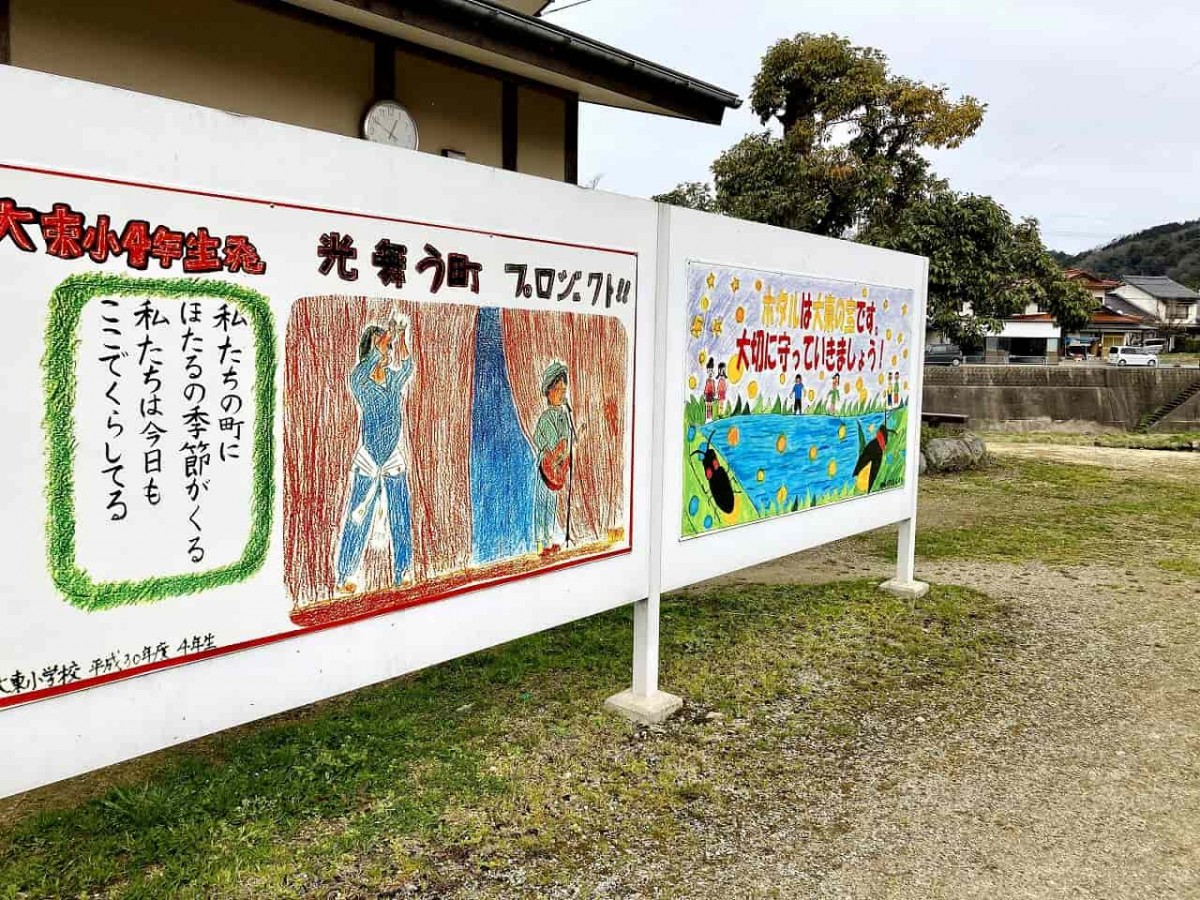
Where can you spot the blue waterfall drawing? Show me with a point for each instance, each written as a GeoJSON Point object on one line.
{"type": "Point", "coordinates": [502, 462]}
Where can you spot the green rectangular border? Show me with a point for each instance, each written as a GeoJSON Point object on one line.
{"type": "Point", "coordinates": [59, 379]}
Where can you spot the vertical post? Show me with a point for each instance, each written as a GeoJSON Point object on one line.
{"type": "Point", "coordinates": [905, 583]}
{"type": "Point", "coordinates": [571, 141]}
{"type": "Point", "coordinates": [508, 125]}
{"type": "Point", "coordinates": [5, 34]}
{"type": "Point", "coordinates": [644, 702]}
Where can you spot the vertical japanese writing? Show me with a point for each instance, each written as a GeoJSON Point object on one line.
{"type": "Point", "coordinates": [112, 355]}
{"type": "Point", "coordinates": [196, 423]}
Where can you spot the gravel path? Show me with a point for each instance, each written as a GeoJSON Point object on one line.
{"type": "Point", "coordinates": [1079, 778]}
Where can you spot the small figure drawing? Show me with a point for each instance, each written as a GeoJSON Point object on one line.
{"type": "Point", "coordinates": [380, 462]}
{"type": "Point", "coordinates": [890, 395]}
{"type": "Point", "coordinates": [554, 446]}
{"type": "Point", "coordinates": [798, 396]}
{"type": "Point", "coordinates": [722, 388]}
{"type": "Point", "coordinates": [710, 391]}
{"type": "Point", "coordinates": [896, 390]}
{"type": "Point", "coordinates": [835, 395]}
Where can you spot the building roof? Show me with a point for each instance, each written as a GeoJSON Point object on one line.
{"type": "Point", "coordinates": [500, 36]}
{"type": "Point", "coordinates": [1161, 287]}
{"type": "Point", "coordinates": [1094, 281]}
{"type": "Point", "coordinates": [1122, 307]}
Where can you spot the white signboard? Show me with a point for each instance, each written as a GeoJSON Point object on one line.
{"type": "Point", "coordinates": [288, 414]}
{"type": "Point", "coordinates": [791, 392]}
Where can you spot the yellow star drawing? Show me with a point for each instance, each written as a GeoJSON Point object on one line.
{"type": "Point", "coordinates": [697, 326]}
{"type": "Point", "coordinates": [711, 281]}
{"type": "Point", "coordinates": [734, 284]}
{"type": "Point", "coordinates": [717, 326]}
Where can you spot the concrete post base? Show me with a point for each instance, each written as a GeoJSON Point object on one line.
{"type": "Point", "coordinates": [909, 590]}
{"type": "Point", "coordinates": [652, 710]}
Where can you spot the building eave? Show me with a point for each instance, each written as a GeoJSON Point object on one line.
{"type": "Point", "coordinates": [532, 48]}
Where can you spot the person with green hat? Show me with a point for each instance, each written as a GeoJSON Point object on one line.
{"type": "Point", "coordinates": [553, 443]}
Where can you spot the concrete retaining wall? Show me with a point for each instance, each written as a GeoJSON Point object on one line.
{"type": "Point", "coordinates": [1014, 397]}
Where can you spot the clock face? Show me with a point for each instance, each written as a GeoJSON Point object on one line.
{"type": "Point", "coordinates": [388, 122]}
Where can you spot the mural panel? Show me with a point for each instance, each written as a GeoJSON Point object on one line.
{"type": "Point", "coordinates": [796, 394]}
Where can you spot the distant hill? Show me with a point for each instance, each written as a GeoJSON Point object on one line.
{"type": "Point", "coordinates": [1172, 250]}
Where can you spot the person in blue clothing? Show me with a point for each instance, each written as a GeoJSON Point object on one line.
{"type": "Point", "coordinates": [798, 396]}
{"type": "Point", "coordinates": [380, 467]}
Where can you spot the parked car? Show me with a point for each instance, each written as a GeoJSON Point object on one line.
{"type": "Point", "coordinates": [1076, 351]}
{"type": "Point", "coordinates": [943, 355]}
{"type": "Point", "coordinates": [1131, 356]}
{"type": "Point", "coordinates": [1155, 347]}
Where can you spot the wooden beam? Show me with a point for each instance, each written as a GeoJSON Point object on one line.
{"type": "Point", "coordinates": [509, 125]}
{"type": "Point", "coordinates": [571, 142]}
{"type": "Point", "coordinates": [385, 69]}
{"type": "Point", "coordinates": [5, 36]}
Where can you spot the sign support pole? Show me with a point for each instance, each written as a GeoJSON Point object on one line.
{"type": "Point", "coordinates": [905, 584]}
{"type": "Point", "coordinates": [644, 703]}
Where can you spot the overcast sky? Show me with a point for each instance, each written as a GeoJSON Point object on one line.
{"type": "Point", "coordinates": [1093, 121]}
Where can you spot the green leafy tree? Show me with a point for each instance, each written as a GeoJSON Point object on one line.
{"type": "Point", "coordinates": [844, 144]}
{"type": "Point", "coordinates": [983, 267]}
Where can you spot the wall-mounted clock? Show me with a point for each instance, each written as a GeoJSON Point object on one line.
{"type": "Point", "coordinates": [387, 122]}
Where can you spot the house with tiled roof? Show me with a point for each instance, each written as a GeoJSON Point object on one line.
{"type": "Point", "coordinates": [1170, 306]}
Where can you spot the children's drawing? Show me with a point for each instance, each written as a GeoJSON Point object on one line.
{"type": "Point", "coordinates": [796, 396]}
{"type": "Point", "coordinates": [433, 447]}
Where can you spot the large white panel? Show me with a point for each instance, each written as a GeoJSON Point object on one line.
{"type": "Point", "coordinates": [241, 633]}
{"type": "Point", "coordinates": [739, 291]}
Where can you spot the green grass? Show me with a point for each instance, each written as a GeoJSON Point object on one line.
{"type": "Point", "coordinates": [1122, 439]}
{"type": "Point", "coordinates": [505, 757]}
{"type": "Point", "coordinates": [1022, 510]}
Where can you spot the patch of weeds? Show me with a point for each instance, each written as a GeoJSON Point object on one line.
{"type": "Point", "coordinates": [1181, 565]}
{"type": "Point", "coordinates": [504, 762]}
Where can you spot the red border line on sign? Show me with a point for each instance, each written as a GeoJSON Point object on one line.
{"type": "Point", "coordinates": [301, 631]}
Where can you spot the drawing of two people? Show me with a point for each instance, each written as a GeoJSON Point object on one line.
{"type": "Point", "coordinates": [380, 467]}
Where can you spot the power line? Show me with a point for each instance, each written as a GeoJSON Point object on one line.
{"type": "Point", "coordinates": [562, 8]}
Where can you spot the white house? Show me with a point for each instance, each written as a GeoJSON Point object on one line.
{"type": "Point", "coordinates": [1176, 307]}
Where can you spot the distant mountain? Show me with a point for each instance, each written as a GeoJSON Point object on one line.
{"type": "Point", "coordinates": [1172, 250]}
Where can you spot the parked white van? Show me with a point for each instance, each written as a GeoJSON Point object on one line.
{"type": "Point", "coordinates": [1131, 356]}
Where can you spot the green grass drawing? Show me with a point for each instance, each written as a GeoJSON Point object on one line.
{"type": "Point", "coordinates": [59, 378]}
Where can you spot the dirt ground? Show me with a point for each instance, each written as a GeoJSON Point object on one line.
{"type": "Point", "coordinates": [1081, 777]}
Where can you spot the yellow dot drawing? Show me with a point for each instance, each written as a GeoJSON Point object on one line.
{"type": "Point", "coordinates": [758, 285]}
{"type": "Point", "coordinates": [761, 476]}
{"type": "Point", "coordinates": [739, 315]}
{"type": "Point", "coordinates": [820, 376]}
{"type": "Point", "coordinates": [704, 302]}
{"type": "Point", "coordinates": [812, 395]}
{"type": "Point", "coordinates": [711, 281]}
{"type": "Point", "coordinates": [733, 437]}
{"type": "Point", "coordinates": [692, 382]}
{"type": "Point", "coordinates": [866, 292]}
{"type": "Point", "coordinates": [781, 443]}
{"type": "Point", "coordinates": [812, 452]}
{"type": "Point", "coordinates": [906, 385]}
{"type": "Point", "coordinates": [871, 428]}
{"type": "Point", "coordinates": [752, 390]}
{"type": "Point", "coordinates": [717, 326]}
{"type": "Point", "coordinates": [832, 467]}
{"type": "Point", "coordinates": [885, 305]}
{"type": "Point", "coordinates": [905, 354]}
{"type": "Point", "coordinates": [735, 370]}
{"type": "Point", "coordinates": [899, 339]}
{"type": "Point", "coordinates": [895, 360]}
{"type": "Point", "coordinates": [846, 389]}
{"type": "Point", "coordinates": [904, 309]}
{"type": "Point", "coordinates": [703, 357]}
{"type": "Point", "coordinates": [782, 378]}
{"type": "Point", "coordinates": [858, 385]}
{"type": "Point", "coordinates": [781, 494]}
{"type": "Point", "coordinates": [841, 432]}
{"type": "Point", "coordinates": [734, 284]}
{"type": "Point", "coordinates": [881, 378]}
